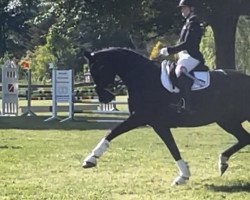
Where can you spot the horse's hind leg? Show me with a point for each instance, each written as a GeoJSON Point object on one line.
{"type": "Point", "coordinates": [241, 135]}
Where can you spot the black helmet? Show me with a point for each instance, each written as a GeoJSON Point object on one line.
{"type": "Point", "coordinates": [185, 3]}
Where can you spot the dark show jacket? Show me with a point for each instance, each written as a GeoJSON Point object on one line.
{"type": "Point", "coordinates": [190, 39]}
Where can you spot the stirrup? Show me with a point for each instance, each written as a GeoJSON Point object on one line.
{"type": "Point", "coordinates": [183, 103]}
{"type": "Point", "coordinates": [180, 106]}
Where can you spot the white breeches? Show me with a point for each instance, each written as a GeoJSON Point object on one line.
{"type": "Point", "coordinates": [185, 62]}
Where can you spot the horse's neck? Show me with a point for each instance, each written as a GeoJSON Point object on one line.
{"type": "Point", "coordinates": [137, 73]}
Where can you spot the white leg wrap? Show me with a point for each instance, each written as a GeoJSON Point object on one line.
{"type": "Point", "coordinates": [184, 173]}
{"type": "Point", "coordinates": [222, 164]}
{"type": "Point", "coordinates": [222, 159]}
{"type": "Point", "coordinates": [183, 168]}
{"type": "Point", "coordinates": [100, 148]}
{"type": "Point", "coordinates": [90, 159]}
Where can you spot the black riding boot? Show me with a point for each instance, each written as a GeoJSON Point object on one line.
{"type": "Point", "coordinates": [184, 84]}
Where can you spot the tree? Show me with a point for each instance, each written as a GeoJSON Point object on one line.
{"type": "Point", "coordinates": [223, 16]}
{"type": "Point", "coordinates": [93, 25]}
{"type": "Point", "coordinates": [13, 30]}
{"type": "Point", "coordinates": [208, 48]}
{"type": "Point", "coordinates": [243, 45]}
{"type": "Point", "coordinates": [128, 23]}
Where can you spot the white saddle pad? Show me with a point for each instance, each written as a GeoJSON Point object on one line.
{"type": "Point", "coordinates": [202, 79]}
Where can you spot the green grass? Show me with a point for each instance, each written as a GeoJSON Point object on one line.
{"type": "Point", "coordinates": [43, 161]}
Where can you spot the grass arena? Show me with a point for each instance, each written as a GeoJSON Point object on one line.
{"type": "Point", "coordinates": [43, 161]}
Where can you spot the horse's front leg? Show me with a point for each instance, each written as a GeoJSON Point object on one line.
{"type": "Point", "coordinates": [132, 122]}
{"type": "Point", "coordinates": [167, 137]}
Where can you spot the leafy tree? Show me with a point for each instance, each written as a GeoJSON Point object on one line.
{"type": "Point", "coordinates": [61, 47]}
{"type": "Point", "coordinates": [222, 16]}
{"type": "Point", "coordinates": [80, 25]}
{"type": "Point", "coordinates": [58, 50]}
{"type": "Point", "coordinates": [13, 30]}
{"type": "Point", "coordinates": [207, 47]}
{"type": "Point", "coordinates": [243, 45]}
{"type": "Point", "coordinates": [69, 27]}
{"type": "Point", "coordinates": [39, 62]}
{"type": "Point", "coordinates": [92, 24]}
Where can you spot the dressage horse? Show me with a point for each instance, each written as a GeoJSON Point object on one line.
{"type": "Point", "coordinates": [225, 102]}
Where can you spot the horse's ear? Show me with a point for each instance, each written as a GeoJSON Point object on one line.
{"type": "Point", "coordinates": [88, 55]}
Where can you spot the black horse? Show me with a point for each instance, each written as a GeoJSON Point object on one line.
{"type": "Point", "coordinates": [225, 102]}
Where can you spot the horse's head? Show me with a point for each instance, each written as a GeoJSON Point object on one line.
{"type": "Point", "coordinates": [103, 74]}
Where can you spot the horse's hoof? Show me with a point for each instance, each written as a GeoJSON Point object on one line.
{"type": "Point", "coordinates": [89, 161]}
{"type": "Point", "coordinates": [223, 168]}
{"type": "Point", "coordinates": [88, 165]}
{"type": "Point", "coordinates": [222, 164]}
{"type": "Point", "coordinates": [180, 180]}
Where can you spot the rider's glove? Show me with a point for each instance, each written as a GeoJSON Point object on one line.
{"type": "Point", "coordinates": [164, 51]}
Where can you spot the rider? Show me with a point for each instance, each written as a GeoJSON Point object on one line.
{"type": "Point", "coordinates": [188, 52]}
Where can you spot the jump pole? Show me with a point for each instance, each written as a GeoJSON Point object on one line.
{"type": "Point", "coordinates": [28, 111]}
{"type": "Point", "coordinates": [54, 103]}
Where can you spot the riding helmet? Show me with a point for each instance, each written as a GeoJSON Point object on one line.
{"type": "Point", "coordinates": [186, 3]}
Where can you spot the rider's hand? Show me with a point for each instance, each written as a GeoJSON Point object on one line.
{"type": "Point", "coordinates": [164, 51]}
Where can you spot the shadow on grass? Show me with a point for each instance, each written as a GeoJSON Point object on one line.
{"type": "Point", "coordinates": [231, 188]}
{"type": "Point", "coordinates": [10, 147]}
{"type": "Point", "coordinates": [37, 123]}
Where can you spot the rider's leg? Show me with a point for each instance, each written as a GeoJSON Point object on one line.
{"type": "Point", "coordinates": [184, 65]}
{"type": "Point", "coordinates": [185, 84]}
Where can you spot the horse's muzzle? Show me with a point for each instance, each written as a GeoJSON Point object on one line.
{"type": "Point", "coordinates": [105, 96]}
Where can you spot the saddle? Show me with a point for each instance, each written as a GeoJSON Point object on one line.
{"type": "Point", "coordinates": [200, 77]}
